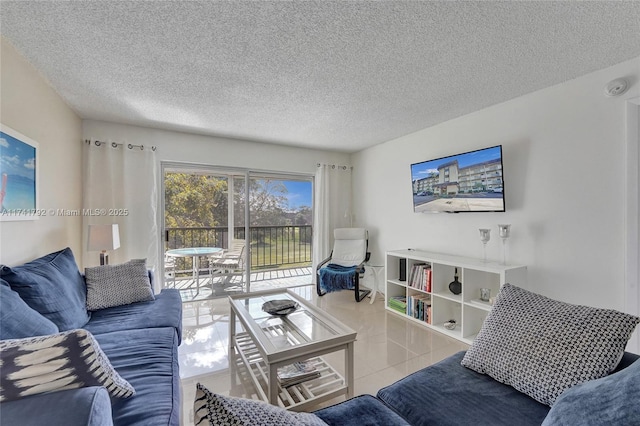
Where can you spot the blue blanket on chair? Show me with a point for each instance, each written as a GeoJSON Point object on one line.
{"type": "Point", "coordinates": [335, 277]}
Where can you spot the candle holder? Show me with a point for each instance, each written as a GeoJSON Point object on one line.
{"type": "Point", "coordinates": [485, 236]}
{"type": "Point", "coordinates": [505, 233]}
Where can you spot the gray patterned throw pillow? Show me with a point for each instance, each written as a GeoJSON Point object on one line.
{"type": "Point", "coordinates": [68, 360]}
{"type": "Point", "coordinates": [542, 346]}
{"type": "Point", "coordinates": [116, 285]}
{"type": "Point", "coordinates": [213, 409]}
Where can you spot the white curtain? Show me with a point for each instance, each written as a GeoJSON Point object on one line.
{"type": "Point", "coordinates": [332, 207]}
{"type": "Point", "coordinates": [120, 186]}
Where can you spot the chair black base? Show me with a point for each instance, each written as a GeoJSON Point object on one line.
{"type": "Point", "coordinates": [361, 294]}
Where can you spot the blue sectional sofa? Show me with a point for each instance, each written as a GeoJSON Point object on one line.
{"type": "Point", "coordinates": [448, 394]}
{"type": "Point", "coordinates": [139, 339]}
{"type": "Point", "coordinates": [536, 361]}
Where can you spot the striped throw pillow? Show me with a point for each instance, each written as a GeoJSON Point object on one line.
{"type": "Point", "coordinates": [68, 360]}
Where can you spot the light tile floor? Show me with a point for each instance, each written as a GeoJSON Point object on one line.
{"type": "Point", "coordinates": [388, 347]}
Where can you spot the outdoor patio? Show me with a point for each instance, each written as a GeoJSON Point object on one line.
{"type": "Point", "coordinates": [223, 286]}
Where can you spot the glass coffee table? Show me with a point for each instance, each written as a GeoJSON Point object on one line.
{"type": "Point", "coordinates": [270, 342]}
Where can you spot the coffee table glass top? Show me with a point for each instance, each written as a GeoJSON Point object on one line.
{"type": "Point", "coordinates": [304, 325]}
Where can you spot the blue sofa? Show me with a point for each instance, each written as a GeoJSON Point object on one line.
{"type": "Point", "coordinates": [448, 394]}
{"type": "Point", "coordinates": [535, 361]}
{"type": "Point", "coordinates": [141, 342]}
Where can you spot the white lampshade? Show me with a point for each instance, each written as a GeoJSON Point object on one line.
{"type": "Point", "coordinates": [103, 237]}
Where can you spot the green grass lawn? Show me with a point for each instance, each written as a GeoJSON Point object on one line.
{"type": "Point", "coordinates": [279, 255]}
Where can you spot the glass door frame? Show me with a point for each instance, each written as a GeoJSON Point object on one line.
{"type": "Point", "coordinates": [229, 172]}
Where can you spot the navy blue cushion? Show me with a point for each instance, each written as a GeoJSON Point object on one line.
{"type": "Point", "coordinates": [17, 319]}
{"type": "Point", "coordinates": [336, 277]}
{"type": "Point", "coordinates": [627, 359]}
{"type": "Point", "coordinates": [611, 400]}
{"type": "Point", "coordinates": [363, 410]}
{"type": "Point", "coordinates": [88, 406]}
{"type": "Point", "coordinates": [148, 360]}
{"type": "Point", "coordinates": [53, 286]}
{"type": "Point", "coordinates": [447, 393]}
{"type": "Point", "coordinates": [164, 311]}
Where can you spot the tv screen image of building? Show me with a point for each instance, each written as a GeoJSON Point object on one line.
{"type": "Point", "coordinates": [468, 182]}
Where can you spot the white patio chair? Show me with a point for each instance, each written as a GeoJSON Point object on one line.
{"type": "Point", "coordinates": [231, 262]}
{"type": "Point", "coordinates": [169, 271]}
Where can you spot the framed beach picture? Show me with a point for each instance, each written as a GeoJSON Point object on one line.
{"type": "Point", "coordinates": [18, 176]}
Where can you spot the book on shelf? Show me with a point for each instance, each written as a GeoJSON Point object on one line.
{"type": "Point", "coordinates": [419, 306]}
{"type": "Point", "coordinates": [398, 303]}
{"type": "Point", "coordinates": [420, 277]}
{"type": "Point", "coordinates": [296, 373]}
{"type": "Point", "coordinates": [400, 310]}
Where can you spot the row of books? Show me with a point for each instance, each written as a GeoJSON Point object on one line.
{"type": "Point", "coordinates": [398, 303]}
{"type": "Point", "coordinates": [296, 373]}
{"type": "Point", "coordinates": [419, 307]}
{"type": "Point", "coordinates": [420, 277]}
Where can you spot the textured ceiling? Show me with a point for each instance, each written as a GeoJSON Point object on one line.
{"type": "Point", "coordinates": [323, 74]}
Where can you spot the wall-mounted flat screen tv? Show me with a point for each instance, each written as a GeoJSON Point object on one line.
{"type": "Point", "coordinates": [467, 182]}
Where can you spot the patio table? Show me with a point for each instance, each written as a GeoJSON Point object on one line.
{"type": "Point", "coordinates": [195, 253]}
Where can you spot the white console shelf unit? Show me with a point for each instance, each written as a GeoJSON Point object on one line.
{"type": "Point", "coordinates": [465, 308]}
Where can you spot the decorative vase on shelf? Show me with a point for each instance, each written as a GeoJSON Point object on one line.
{"type": "Point", "coordinates": [485, 236]}
{"type": "Point", "coordinates": [455, 286]}
{"type": "Point", "coordinates": [505, 232]}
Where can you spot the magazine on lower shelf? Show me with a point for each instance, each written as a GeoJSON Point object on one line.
{"type": "Point", "coordinates": [297, 372]}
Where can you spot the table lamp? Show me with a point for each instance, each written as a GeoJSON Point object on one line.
{"type": "Point", "coordinates": [103, 238]}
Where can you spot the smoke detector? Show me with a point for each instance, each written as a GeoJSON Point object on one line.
{"type": "Point", "coordinates": [616, 87]}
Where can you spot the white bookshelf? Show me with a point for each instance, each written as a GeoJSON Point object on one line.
{"type": "Point", "coordinates": [465, 308]}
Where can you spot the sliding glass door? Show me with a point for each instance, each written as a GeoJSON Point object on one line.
{"type": "Point", "coordinates": [229, 231]}
{"type": "Point", "coordinates": [280, 212]}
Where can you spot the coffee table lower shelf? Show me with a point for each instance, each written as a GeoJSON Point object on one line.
{"type": "Point", "coordinates": [297, 397]}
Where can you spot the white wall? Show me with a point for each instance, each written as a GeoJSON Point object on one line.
{"type": "Point", "coordinates": [30, 106]}
{"type": "Point", "coordinates": [191, 148]}
{"type": "Point", "coordinates": [632, 220]}
{"type": "Point", "coordinates": [564, 169]}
